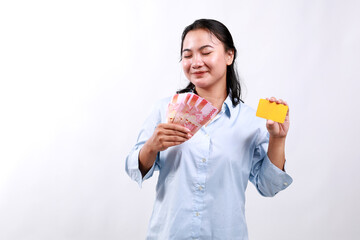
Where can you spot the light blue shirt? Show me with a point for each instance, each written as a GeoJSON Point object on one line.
{"type": "Point", "coordinates": [200, 193]}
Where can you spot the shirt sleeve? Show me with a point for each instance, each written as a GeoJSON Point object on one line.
{"type": "Point", "coordinates": [268, 178]}
{"type": "Point", "coordinates": [132, 160]}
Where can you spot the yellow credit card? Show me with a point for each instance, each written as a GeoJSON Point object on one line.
{"type": "Point", "coordinates": [272, 111]}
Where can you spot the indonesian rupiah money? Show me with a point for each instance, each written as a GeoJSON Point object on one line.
{"type": "Point", "coordinates": [190, 110]}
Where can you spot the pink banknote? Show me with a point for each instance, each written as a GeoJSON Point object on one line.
{"type": "Point", "coordinates": [190, 110]}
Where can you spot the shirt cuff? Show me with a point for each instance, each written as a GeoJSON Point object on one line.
{"type": "Point", "coordinates": [274, 179]}
{"type": "Point", "coordinates": [132, 168]}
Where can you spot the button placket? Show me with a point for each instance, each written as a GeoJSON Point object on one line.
{"type": "Point", "coordinates": [200, 180]}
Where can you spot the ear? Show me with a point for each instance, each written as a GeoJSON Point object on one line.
{"type": "Point", "coordinates": [229, 57]}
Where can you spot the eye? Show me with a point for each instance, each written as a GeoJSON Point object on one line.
{"type": "Point", "coordinates": [187, 56]}
{"type": "Point", "coordinates": [206, 53]}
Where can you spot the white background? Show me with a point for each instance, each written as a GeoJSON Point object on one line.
{"type": "Point", "coordinates": [78, 79]}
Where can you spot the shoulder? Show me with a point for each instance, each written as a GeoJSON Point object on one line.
{"type": "Point", "coordinates": [248, 112]}
{"type": "Point", "coordinates": [161, 104]}
{"type": "Point", "coordinates": [158, 109]}
{"type": "Point", "coordinates": [254, 125]}
{"type": "Point", "coordinates": [246, 108]}
{"type": "Point", "coordinates": [164, 101]}
{"type": "Point", "coordinates": [246, 115]}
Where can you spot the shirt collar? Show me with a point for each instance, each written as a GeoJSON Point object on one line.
{"type": "Point", "coordinates": [228, 107]}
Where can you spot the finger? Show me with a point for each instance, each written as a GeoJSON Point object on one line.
{"type": "Point", "coordinates": [285, 103]}
{"type": "Point", "coordinates": [270, 122]}
{"type": "Point", "coordinates": [171, 144]}
{"type": "Point", "coordinates": [278, 101]}
{"type": "Point", "coordinates": [162, 135]}
{"type": "Point", "coordinates": [270, 125]}
{"type": "Point", "coordinates": [177, 127]}
{"type": "Point", "coordinates": [272, 99]}
{"type": "Point", "coordinates": [174, 139]}
{"type": "Point", "coordinates": [177, 133]}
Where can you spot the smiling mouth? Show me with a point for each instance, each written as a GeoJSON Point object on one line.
{"type": "Point", "coordinates": [198, 73]}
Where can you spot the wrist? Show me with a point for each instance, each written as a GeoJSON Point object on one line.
{"type": "Point", "coordinates": [149, 149]}
{"type": "Point", "coordinates": [147, 157]}
{"type": "Point", "coordinates": [277, 139]}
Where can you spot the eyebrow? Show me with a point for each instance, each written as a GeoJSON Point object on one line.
{"type": "Point", "coordinates": [201, 48]}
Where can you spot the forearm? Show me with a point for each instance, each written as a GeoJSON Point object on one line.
{"type": "Point", "coordinates": [276, 151]}
{"type": "Point", "coordinates": [147, 157]}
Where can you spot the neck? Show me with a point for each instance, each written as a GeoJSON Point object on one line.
{"type": "Point", "coordinates": [216, 98]}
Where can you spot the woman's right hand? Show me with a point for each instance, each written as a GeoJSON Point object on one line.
{"type": "Point", "coordinates": [167, 135]}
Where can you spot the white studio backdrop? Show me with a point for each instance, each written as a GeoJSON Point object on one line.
{"type": "Point", "coordinates": [77, 80]}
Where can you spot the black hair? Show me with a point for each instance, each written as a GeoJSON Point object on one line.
{"type": "Point", "coordinates": [223, 34]}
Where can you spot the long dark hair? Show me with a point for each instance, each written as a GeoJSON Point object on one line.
{"type": "Point", "coordinates": [223, 34]}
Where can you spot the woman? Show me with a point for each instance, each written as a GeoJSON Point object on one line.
{"type": "Point", "coordinates": [200, 192]}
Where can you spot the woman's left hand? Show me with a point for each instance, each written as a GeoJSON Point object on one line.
{"type": "Point", "coordinates": [278, 130]}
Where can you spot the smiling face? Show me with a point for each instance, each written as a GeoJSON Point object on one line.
{"type": "Point", "coordinates": [205, 60]}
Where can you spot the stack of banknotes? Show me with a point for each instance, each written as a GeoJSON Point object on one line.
{"type": "Point", "coordinates": [190, 110]}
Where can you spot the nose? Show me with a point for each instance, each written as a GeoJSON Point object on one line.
{"type": "Point", "coordinates": [197, 61]}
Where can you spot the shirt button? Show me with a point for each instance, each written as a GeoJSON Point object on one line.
{"type": "Point", "coordinates": [203, 160]}
{"type": "Point", "coordinates": [285, 183]}
{"type": "Point", "coordinates": [197, 214]}
{"type": "Point", "coordinates": [200, 188]}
